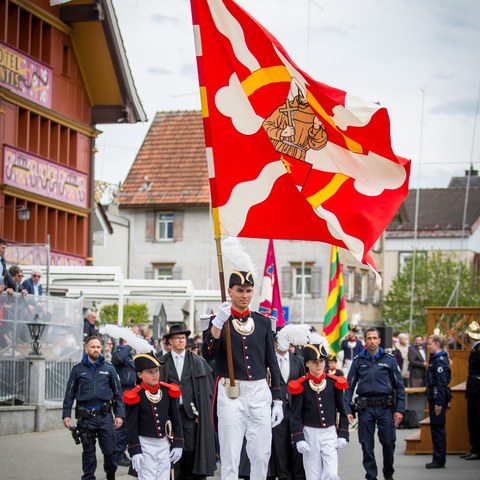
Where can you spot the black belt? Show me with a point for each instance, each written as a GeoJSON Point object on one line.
{"type": "Point", "coordinates": [379, 402]}
{"type": "Point", "coordinates": [93, 412]}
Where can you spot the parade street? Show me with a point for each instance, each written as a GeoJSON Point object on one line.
{"type": "Point", "coordinates": [54, 456]}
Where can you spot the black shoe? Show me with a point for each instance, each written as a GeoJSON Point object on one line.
{"type": "Point", "coordinates": [123, 461]}
{"type": "Point", "coordinates": [434, 465]}
{"type": "Point", "coordinates": [388, 478]}
{"type": "Point", "coordinates": [465, 455]}
{"type": "Point", "coordinates": [110, 476]}
{"type": "Point", "coordinates": [473, 456]}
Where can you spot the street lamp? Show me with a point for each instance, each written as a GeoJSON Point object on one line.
{"type": "Point", "coordinates": [23, 213]}
{"type": "Point", "coordinates": [36, 331]}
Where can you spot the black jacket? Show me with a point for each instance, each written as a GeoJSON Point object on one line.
{"type": "Point", "coordinates": [252, 354]}
{"type": "Point", "coordinates": [473, 379]}
{"type": "Point", "coordinates": [198, 391]}
{"type": "Point", "coordinates": [318, 409]}
{"type": "Point", "coordinates": [93, 386]}
{"type": "Point", "coordinates": [148, 419]}
{"type": "Point", "coordinates": [416, 362]}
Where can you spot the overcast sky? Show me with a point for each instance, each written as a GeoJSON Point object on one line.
{"type": "Point", "coordinates": [418, 58]}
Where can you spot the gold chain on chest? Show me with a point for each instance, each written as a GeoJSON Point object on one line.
{"type": "Point", "coordinates": [244, 328]}
{"type": "Point", "coordinates": [318, 387]}
{"type": "Point", "coordinates": [154, 397]}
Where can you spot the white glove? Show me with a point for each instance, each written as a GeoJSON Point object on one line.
{"type": "Point", "coordinates": [341, 443]}
{"type": "Point", "coordinates": [175, 454]}
{"type": "Point", "coordinates": [303, 447]}
{"type": "Point", "coordinates": [137, 461]}
{"type": "Point", "coordinates": [277, 413]}
{"type": "Point", "coordinates": [223, 314]}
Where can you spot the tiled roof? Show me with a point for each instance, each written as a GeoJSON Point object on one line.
{"type": "Point", "coordinates": [439, 209]}
{"type": "Point", "coordinates": [171, 166]}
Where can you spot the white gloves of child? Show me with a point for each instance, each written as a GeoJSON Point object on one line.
{"type": "Point", "coordinates": [137, 461]}
{"type": "Point", "coordinates": [341, 443]}
{"type": "Point", "coordinates": [303, 447]}
{"type": "Point", "coordinates": [277, 413]}
{"type": "Point", "coordinates": [175, 454]}
{"type": "Point", "coordinates": [222, 315]}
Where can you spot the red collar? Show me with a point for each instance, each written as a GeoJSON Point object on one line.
{"type": "Point", "coordinates": [315, 379]}
{"type": "Point", "coordinates": [241, 315]}
{"type": "Point", "coordinates": [150, 389]}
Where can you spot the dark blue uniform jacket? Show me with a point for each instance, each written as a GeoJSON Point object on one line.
{"type": "Point", "coordinates": [375, 378]}
{"type": "Point", "coordinates": [438, 378]}
{"type": "Point", "coordinates": [93, 385]}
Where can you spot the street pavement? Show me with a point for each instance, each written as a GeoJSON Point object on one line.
{"type": "Point", "coordinates": [54, 456]}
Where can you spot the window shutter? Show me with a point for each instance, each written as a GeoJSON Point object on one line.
{"type": "Point", "coordinates": [148, 273]}
{"type": "Point", "coordinates": [316, 282]}
{"type": "Point", "coordinates": [358, 286]}
{"type": "Point", "coordinates": [150, 226]}
{"type": "Point", "coordinates": [176, 273]}
{"type": "Point", "coordinates": [286, 282]}
{"type": "Point", "coordinates": [178, 225]}
{"type": "Point", "coordinates": [371, 287]}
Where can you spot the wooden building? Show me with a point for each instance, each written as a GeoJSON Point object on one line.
{"type": "Point", "coordinates": [63, 71]}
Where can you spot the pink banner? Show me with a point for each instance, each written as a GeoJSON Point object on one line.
{"type": "Point", "coordinates": [33, 174]}
{"type": "Point", "coordinates": [24, 76]}
{"type": "Point", "coordinates": [37, 255]}
{"type": "Point", "coordinates": [270, 300]}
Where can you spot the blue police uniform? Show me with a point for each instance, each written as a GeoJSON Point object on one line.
{"type": "Point", "coordinates": [438, 393]}
{"type": "Point", "coordinates": [381, 392]}
{"type": "Point", "coordinates": [95, 386]}
{"type": "Point", "coordinates": [122, 360]}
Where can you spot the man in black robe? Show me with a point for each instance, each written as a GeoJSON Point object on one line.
{"type": "Point", "coordinates": [194, 376]}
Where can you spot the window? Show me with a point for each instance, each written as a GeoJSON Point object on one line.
{"type": "Point", "coordinates": [364, 287]}
{"type": "Point", "coordinates": [349, 285]}
{"type": "Point", "coordinates": [163, 272]}
{"type": "Point", "coordinates": [297, 279]}
{"type": "Point", "coordinates": [404, 257]}
{"type": "Point", "coordinates": [164, 226]}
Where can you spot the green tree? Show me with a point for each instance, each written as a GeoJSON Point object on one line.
{"type": "Point", "coordinates": [436, 276]}
{"type": "Point", "coordinates": [133, 313]}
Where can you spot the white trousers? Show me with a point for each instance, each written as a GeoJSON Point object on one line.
{"type": "Point", "coordinates": [247, 416]}
{"type": "Point", "coordinates": [156, 459]}
{"type": "Point", "coordinates": [321, 463]}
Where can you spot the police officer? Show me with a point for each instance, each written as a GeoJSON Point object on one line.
{"type": "Point", "coordinates": [381, 401]}
{"type": "Point", "coordinates": [438, 396]}
{"type": "Point", "coordinates": [245, 409]}
{"type": "Point", "coordinates": [96, 387]}
{"type": "Point", "coordinates": [122, 360]}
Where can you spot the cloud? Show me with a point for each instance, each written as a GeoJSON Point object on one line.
{"type": "Point", "coordinates": [159, 71]}
{"type": "Point", "coordinates": [462, 107]}
{"type": "Point", "coordinates": [166, 19]}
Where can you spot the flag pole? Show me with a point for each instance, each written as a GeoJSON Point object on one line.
{"type": "Point", "coordinates": [226, 326]}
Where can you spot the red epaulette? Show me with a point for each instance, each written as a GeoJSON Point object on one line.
{"type": "Point", "coordinates": [295, 386]}
{"type": "Point", "coordinates": [131, 397]}
{"type": "Point", "coordinates": [340, 382]}
{"type": "Point", "coordinates": [173, 389]}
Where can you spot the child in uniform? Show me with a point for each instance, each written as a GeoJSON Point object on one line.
{"type": "Point", "coordinates": [316, 399]}
{"type": "Point", "coordinates": [153, 420]}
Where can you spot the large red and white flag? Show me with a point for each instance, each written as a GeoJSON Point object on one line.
{"type": "Point", "coordinates": [289, 157]}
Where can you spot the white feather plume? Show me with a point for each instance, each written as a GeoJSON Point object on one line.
{"type": "Point", "coordinates": [237, 255]}
{"type": "Point", "coordinates": [138, 343]}
{"type": "Point", "coordinates": [300, 335]}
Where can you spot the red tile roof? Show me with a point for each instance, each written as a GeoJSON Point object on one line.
{"type": "Point", "coordinates": [171, 166]}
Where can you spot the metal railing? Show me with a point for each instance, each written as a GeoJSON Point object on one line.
{"type": "Point", "coordinates": [56, 377]}
{"type": "Point", "coordinates": [14, 382]}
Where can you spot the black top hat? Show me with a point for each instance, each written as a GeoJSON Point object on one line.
{"type": "Point", "coordinates": [239, 277]}
{"type": "Point", "coordinates": [314, 352]}
{"type": "Point", "coordinates": [191, 343]}
{"type": "Point", "coordinates": [177, 329]}
{"type": "Point", "coordinates": [143, 361]}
